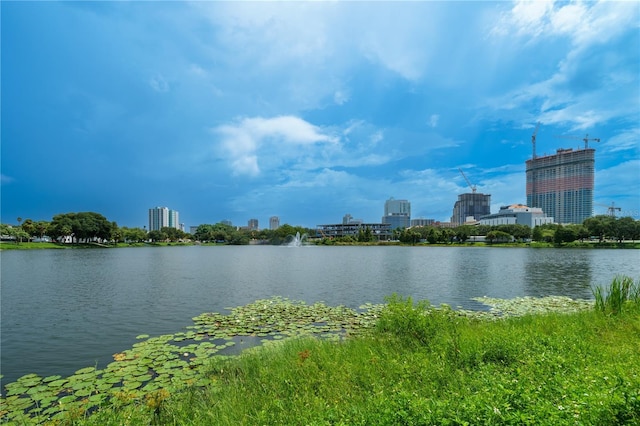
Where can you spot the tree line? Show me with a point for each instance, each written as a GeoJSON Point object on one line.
{"type": "Point", "coordinates": [601, 227]}
{"type": "Point", "coordinates": [84, 227]}
{"type": "Point", "coordinates": [87, 227]}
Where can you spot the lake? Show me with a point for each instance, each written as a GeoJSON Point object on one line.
{"type": "Point", "coordinates": [63, 310]}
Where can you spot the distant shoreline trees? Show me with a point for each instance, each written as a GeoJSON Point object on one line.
{"type": "Point", "coordinates": [85, 227]}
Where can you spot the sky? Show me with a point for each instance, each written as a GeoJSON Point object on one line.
{"type": "Point", "coordinates": [308, 110]}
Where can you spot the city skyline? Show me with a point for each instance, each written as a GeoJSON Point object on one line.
{"type": "Point", "coordinates": [309, 110]}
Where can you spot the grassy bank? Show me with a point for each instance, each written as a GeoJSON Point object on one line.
{"type": "Point", "coordinates": [419, 365]}
{"type": "Point", "coordinates": [11, 245]}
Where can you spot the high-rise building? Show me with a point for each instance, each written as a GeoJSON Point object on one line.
{"type": "Point", "coordinates": [397, 213]}
{"type": "Point", "coordinates": [348, 219]}
{"type": "Point", "coordinates": [253, 224]}
{"type": "Point", "coordinates": [562, 184]}
{"type": "Point", "coordinates": [163, 217]}
{"type": "Point", "coordinates": [274, 223]}
{"type": "Point", "coordinates": [470, 206]}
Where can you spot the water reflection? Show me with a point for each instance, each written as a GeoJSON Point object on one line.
{"type": "Point", "coordinates": [548, 273]}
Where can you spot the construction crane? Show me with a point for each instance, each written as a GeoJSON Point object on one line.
{"type": "Point", "coordinates": [473, 187]}
{"type": "Point", "coordinates": [533, 139]}
{"type": "Point", "coordinates": [611, 210]}
{"type": "Point", "coordinates": [586, 139]}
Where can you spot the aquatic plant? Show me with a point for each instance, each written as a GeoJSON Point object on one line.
{"type": "Point", "coordinates": [146, 380]}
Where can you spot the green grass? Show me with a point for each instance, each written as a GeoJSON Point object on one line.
{"type": "Point", "coordinates": [11, 245]}
{"type": "Point", "coordinates": [623, 293]}
{"type": "Point", "coordinates": [418, 366]}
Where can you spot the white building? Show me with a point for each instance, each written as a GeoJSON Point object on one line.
{"type": "Point", "coordinates": [163, 217]}
{"type": "Point", "coordinates": [517, 214]}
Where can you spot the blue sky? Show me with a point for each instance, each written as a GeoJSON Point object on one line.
{"type": "Point", "coordinates": [308, 110]}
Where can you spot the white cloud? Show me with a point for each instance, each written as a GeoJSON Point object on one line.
{"type": "Point", "coordinates": [376, 137]}
{"type": "Point", "coordinates": [433, 120]}
{"type": "Point", "coordinates": [624, 141]}
{"type": "Point", "coordinates": [159, 84]}
{"type": "Point", "coordinates": [340, 97]}
{"type": "Point", "coordinates": [590, 85]}
{"type": "Point", "coordinates": [584, 23]}
{"type": "Point", "coordinates": [246, 143]}
{"type": "Point", "coordinates": [527, 17]}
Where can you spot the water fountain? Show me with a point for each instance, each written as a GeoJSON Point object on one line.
{"type": "Point", "coordinates": [296, 240]}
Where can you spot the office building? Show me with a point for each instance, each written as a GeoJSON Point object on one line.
{"type": "Point", "coordinates": [470, 207]}
{"type": "Point", "coordinates": [163, 217]}
{"type": "Point", "coordinates": [517, 214]}
{"type": "Point", "coordinates": [562, 184]}
{"type": "Point", "coordinates": [397, 213]}
{"type": "Point", "coordinates": [252, 225]}
{"type": "Point", "coordinates": [274, 223]}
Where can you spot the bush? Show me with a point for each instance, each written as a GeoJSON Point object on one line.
{"type": "Point", "coordinates": [418, 323]}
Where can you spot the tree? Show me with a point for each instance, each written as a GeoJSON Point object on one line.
{"type": "Point", "coordinates": [117, 234]}
{"type": "Point", "coordinates": [41, 228]}
{"type": "Point", "coordinates": [462, 233]}
{"type": "Point", "coordinates": [598, 226]}
{"type": "Point", "coordinates": [498, 237]}
{"type": "Point", "coordinates": [156, 236]}
{"type": "Point", "coordinates": [564, 234]}
{"type": "Point", "coordinates": [409, 236]}
{"type": "Point", "coordinates": [83, 226]}
{"type": "Point", "coordinates": [446, 235]}
{"type": "Point", "coordinates": [623, 228]}
{"type": "Point", "coordinates": [29, 227]}
{"type": "Point", "coordinates": [90, 226]}
{"type": "Point", "coordinates": [433, 235]}
{"type": "Point", "coordinates": [365, 235]}
{"type": "Point", "coordinates": [581, 231]}
{"type": "Point", "coordinates": [60, 226]}
{"type": "Point", "coordinates": [134, 235]}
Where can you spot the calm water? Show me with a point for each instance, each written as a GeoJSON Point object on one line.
{"type": "Point", "coordinates": [63, 310]}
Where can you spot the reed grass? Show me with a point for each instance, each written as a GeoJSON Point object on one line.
{"type": "Point", "coordinates": [622, 293]}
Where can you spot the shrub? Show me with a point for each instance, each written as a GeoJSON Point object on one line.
{"type": "Point", "coordinates": [413, 323]}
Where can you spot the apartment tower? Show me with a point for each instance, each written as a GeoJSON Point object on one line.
{"type": "Point", "coordinates": [163, 217]}
{"type": "Point", "coordinates": [562, 184]}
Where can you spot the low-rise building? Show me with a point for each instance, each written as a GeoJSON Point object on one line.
{"type": "Point", "coordinates": [517, 214]}
{"type": "Point", "coordinates": [380, 231]}
{"type": "Point", "coordinates": [422, 222]}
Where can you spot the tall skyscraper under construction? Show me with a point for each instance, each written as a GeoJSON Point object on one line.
{"type": "Point", "coordinates": [471, 206]}
{"type": "Point", "coordinates": [562, 184]}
